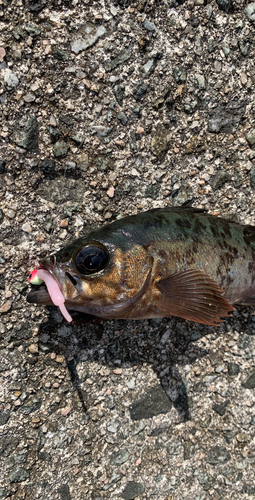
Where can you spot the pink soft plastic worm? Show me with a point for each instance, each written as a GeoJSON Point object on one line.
{"type": "Point", "coordinates": [37, 276]}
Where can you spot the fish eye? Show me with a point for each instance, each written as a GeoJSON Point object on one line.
{"type": "Point", "coordinates": [91, 259]}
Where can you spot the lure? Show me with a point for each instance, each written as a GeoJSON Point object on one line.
{"type": "Point", "coordinates": [37, 277]}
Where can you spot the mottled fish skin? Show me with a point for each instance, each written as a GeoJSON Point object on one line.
{"type": "Point", "coordinates": [162, 262]}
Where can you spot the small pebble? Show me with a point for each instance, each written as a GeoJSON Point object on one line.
{"type": "Point", "coordinates": [140, 130]}
{"type": "Point", "coordinates": [65, 411]}
{"type": "Point", "coordinates": [117, 371]}
{"type": "Point", "coordinates": [29, 98]}
{"type": "Point", "coordinates": [59, 359]}
{"type": "Point", "coordinates": [36, 420]}
{"type": "Point", "coordinates": [108, 215]}
{"type": "Point", "coordinates": [11, 214]}
{"type": "Point", "coordinates": [26, 227]}
{"type": "Point", "coordinates": [131, 383]}
{"type": "Point", "coordinates": [6, 306]}
{"type": "Point", "coordinates": [64, 223]}
{"type": "Point", "coordinates": [110, 192]}
{"type": "Point", "coordinates": [10, 79]}
{"type": "Point", "coordinates": [113, 10]}
{"type": "Point", "coordinates": [2, 54]}
{"type": "Point", "coordinates": [243, 78]}
{"type": "Point", "coordinates": [34, 87]}
{"type": "Point", "coordinates": [70, 165]}
{"type": "Point", "coordinates": [134, 172]}
{"type": "Point", "coordinates": [40, 239]}
{"type": "Point", "coordinates": [149, 26]}
{"type": "Point", "coordinates": [63, 234]}
{"type": "Point", "coordinates": [53, 121]}
{"type": "Point", "coordinates": [19, 95]}
{"type": "Point", "coordinates": [33, 348]}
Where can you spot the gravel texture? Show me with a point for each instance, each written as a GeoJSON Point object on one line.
{"type": "Point", "coordinates": [108, 108]}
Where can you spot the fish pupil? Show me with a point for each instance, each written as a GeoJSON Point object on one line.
{"type": "Point", "coordinates": [91, 260]}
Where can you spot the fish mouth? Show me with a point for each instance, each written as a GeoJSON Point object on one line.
{"type": "Point", "coordinates": [66, 282]}
{"type": "Point", "coordinates": [111, 311]}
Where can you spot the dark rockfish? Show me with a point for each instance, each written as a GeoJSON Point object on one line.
{"type": "Point", "coordinates": [164, 262]}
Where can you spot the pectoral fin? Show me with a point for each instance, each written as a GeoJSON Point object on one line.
{"type": "Point", "coordinates": [194, 296]}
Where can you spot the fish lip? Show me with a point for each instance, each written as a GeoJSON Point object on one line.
{"type": "Point", "coordinates": [40, 296]}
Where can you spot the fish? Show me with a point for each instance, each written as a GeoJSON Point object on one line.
{"type": "Point", "coordinates": [174, 261]}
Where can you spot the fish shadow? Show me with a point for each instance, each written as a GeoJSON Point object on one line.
{"type": "Point", "coordinates": [165, 344]}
